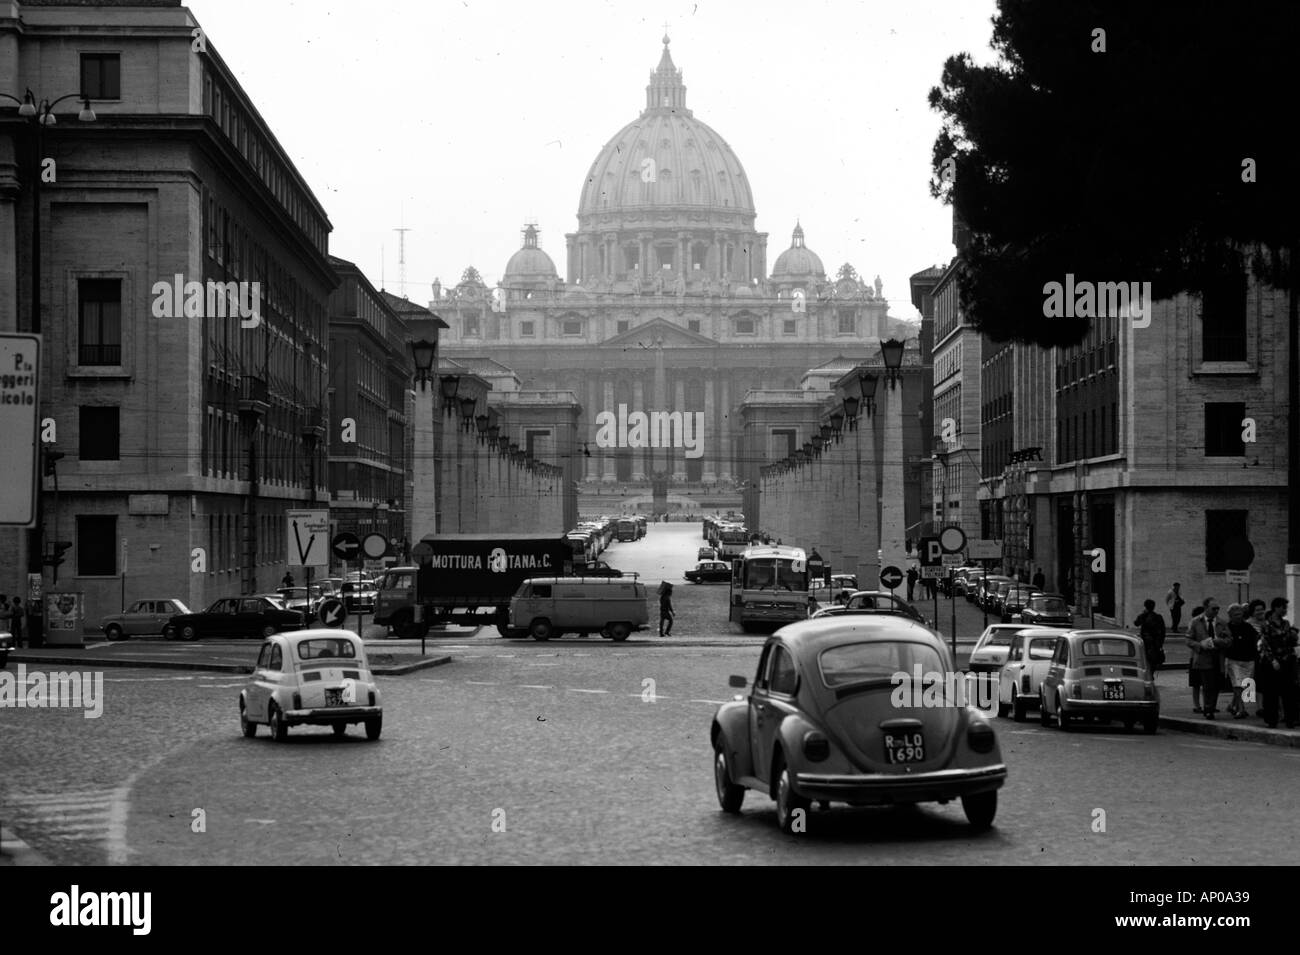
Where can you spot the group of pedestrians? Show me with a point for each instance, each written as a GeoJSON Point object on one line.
{"type": "Point", "coordinates": [1256, 646]}
{"type": "Point", "coordinates": [13, 618]}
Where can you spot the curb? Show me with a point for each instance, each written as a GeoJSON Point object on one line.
{"type": "Point", "coordinates": [13, 851]}
{"type": "Point", "coordinates": [403, 668]}
{"type": "Point", "coordinates": [1226, 730]}
{"type": "Point", "coordinates": [107, 662]}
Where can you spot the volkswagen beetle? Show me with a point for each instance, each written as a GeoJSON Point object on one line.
{"type": "Point", "coordinates": [830, 717]}
{"type": "Point", "coordinates": [312, 677]}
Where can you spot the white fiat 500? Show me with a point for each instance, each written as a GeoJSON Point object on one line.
{"type": "Point", "coordinates": [314, 678]}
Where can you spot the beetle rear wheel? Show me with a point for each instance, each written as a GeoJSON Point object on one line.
{"type": "Point", "coordinates": [730, 796]}
{"type": "Point", "coordinates": [791, 808]}
{"type": "Point", "coordinates": [980, 808]}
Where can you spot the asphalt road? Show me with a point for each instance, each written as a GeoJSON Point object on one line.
{"type": "Point", "coordinates": [523, 752]}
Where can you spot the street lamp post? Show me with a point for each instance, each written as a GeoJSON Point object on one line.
{"type": "Point", "coordinates": [893, 519]}
{"type": "Point", "coordinates": [424, 490]}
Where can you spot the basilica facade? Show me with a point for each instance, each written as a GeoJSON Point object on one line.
{"type": "Point", "coordinates": [667, 306]}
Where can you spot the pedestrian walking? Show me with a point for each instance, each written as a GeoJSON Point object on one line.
{"type": "Point", "coordinates": [287, 581]}
{"type": "Point", "coordinates": [1239, 657]}
{"type": "Point", "coordinates": [666, 608]}
{"type": "Point", "coordinates": [912, 575]}
{"type": "Point", "coordinates": [1174, 601]}
{"type": "Point", "coordinates": [1151, 628]}
{"type": "Point", "coordinates": [1278, 667]}
{"type": "Point", "coordinates": [1039, 581]}
{"type": "Point", "coordinates": [19, 621]}
{"type": "Point", "coordinates": [1206, 638]}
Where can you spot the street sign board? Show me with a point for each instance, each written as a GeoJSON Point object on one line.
{"type": "Point", "coordinates": [952, 539]}
{"type": "Point", "coordinates": [953, 560]}
{"type": "Point", "coordinates": [983, 549]}
{"type": "Point", "coordinates": [20, 357]}
{"type": "Point", "coordinates": [928, 571]}
{"type": "Point", "coordinates": [346, 546]}
{"type": "Point", "coordinates": [931, 551]}
{"type": "Point", "coordinates": [307, 533]}
{"type": "Point", "coordinates": [374, 546]}
{"type": "Point", "coordinates": [891, 576]}
{"type": "Point", "coordinates": [332, 612]}
{"type": "Point", "coordinates": [1237, 576]}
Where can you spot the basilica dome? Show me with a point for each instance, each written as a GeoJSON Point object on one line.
{"type": "Point", "coordinates": [798, 261]}
{"type": "Point", "coordinates": [666, 158]}
{"type": "Point", "coordinates": [530, 264]}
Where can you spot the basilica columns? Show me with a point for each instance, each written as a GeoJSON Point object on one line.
{"type": "Point", "coordinates": [711, 435]}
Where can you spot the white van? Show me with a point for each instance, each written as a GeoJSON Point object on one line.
{"type": "Point", "coordinates": [545, 607]}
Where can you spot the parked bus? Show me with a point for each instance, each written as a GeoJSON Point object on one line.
{"type": "Point", "coordinates": [769, 587]}
{"type": "Point", "coordinates": [733, 540]}
{"type": "Point", "coordinates": [628, 528]}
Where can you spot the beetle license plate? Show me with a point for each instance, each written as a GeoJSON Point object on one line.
{"type": "Point", "coordinates": [334, 696]}
{"type": "Point", "coordinates": [906, 747]}
{"type": "Point", "coordinates": [1112, 691]}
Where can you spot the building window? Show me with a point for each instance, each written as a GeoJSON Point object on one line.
{"type": "Point", "coordinates": [1223, 319]}
{"type": "Point", "coordinates": [101, 75]}
{"type": "Point", "coordinates": [526, 329]}
{"type": "Point", "coordinates": [1223, 430]}
{"type": "Point", "coordinates": [790, 327]}
{"type": "Point", "coordinates": [572, 327]}
{"type": "Point", "coordinates": [1220, 528]}
{"type": "Point", "coordinates": [96, 545]}
{"type": "Point", "coordinates": [693, 324]}
{"type": "Point", "coordinates": [471, 326]}
{"type": "Point", "coordinates": [624, 326]}
{"type": "Point", "coordinates": [848, 322]}
{"type": "Point", "coordinates": [99, 308]}
{"type": "Point", "coordinates": [744, 326]}
{"type": "Point", "coordinates": [100, 439]}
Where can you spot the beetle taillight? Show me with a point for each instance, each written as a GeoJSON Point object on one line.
{"type": "Point", "coordinates": [980, 736]}
{"type": "Point", "coordinates": [816, 746]}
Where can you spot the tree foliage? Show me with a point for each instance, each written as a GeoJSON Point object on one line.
{"type": "Point", "coordinates": [1123, 165]}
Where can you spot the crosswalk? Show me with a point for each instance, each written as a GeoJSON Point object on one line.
{"type": "Point", "coordinates": [73, 819]}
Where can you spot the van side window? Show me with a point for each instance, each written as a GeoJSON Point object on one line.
{"type": "Point", "coordinates": [540, 590]}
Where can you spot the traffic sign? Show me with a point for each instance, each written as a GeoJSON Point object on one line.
{"type": "Point", "coordinates": [422, 551]}
{"type": "Point", "coordinates": [984, 549]}
{"type": "Point", "coordinates": [1237, 576]}
{"type": "Point", "coordinates": [928, 571]}
{"type": "Point", "coordinates": [20, 357]}
{"type": "Point", "coordinates": [891, 576]}
{"type": "Point", "coordinates": [953, 560]}
{"type": "Point", "coordinates": [952, 539]}
{"type": "Point", "coordinates": [332, 612]}
{"type": "Point", "coordinates": [306, 536]}
{"type": "Point", "coordinates": [346, 546]}
{"type": "Point", "coordinates": [374, 546]}
{"type": "Point", "coordinates": [931, 551]}
{"type": "Point", "coordinates": [1238, 552]}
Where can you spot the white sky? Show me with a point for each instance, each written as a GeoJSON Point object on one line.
{"type": "Point", "coordinates": [461, 118]}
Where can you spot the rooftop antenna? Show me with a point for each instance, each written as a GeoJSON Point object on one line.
{"type": "Point", "coordinates": [383, 261]}
{"type": "Point", "coordinates": [401, 259]}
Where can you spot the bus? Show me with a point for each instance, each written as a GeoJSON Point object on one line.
{"type": "Point", "coordinates": [628, 528]}
{"type": "Point", "coordinates": [733, 540]}
{"type": "Point", "coordinates": [769, 586]}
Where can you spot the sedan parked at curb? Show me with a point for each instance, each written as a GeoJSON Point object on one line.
{"type": "Point", "coordinates": [1047, 610]}
{"type": "Point", "coordinates": [1099, 675]}
{"type": "Point", "coordinates": [709, 572]}
{"type": "Point", "coordinates": [1028, 660]}
{"type": "Point", "coordinates": [256, 616]}
{"type": "Point", "coordinates": [883, 601]}
{"type": "Point", "coordinates": [315, 678]}
{"type": "Point", "coordinates": [142, 618]}
{"type": "Point", "coordinates": [990, 651]}
{"type": "Point", "coordinates": [821, 724]}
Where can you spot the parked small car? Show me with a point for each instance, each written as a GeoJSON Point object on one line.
{"type": "Point", "coordinates": [595, 568]}
{"type": "Point", "coordinates": [358, 594]}
{"type": "Point", "coordinates": [992, 646]}
{"type": "Point", "coordinates": [256, 616]}
{"type": "Point", "coordinates": [884, 601]}
{"type": "Point", "coordinates": [821, 723]}
{"type": "Point", "coordinates": [1047, 610]}
{"type": "Point", "coordinates": [1028, 659]}
{"type": "Point", "coordinates": [1101, 675]}
{"type": "Point", "coordinates": [142, 618]}
{"type": "Point", "coordinates": [706, 553]}
{"type": "Point", "coordinates": [315, 677]}
{"type": "Point", "coordinates": [709, 572]}
{"type": "Point", "coordinates": [986, 590]}
{"type": "Point", "coordinates": [1015, 600]}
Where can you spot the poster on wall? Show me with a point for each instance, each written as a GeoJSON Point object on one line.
{"type": "Point", "coordinates": [64, 619]}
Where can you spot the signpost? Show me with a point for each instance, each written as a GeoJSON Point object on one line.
{"type": "Point", "coordinates": [1239, 577]}
{"type": "Point", "coordinates": [332, 612]}
{"type": "Point", "coordinates": [891, 577]}
{"type": "Point", "coordinates": [20, 425]}
{"type": "Point", "coordinates": [1239, 552]}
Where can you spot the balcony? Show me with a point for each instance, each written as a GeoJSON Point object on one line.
{"type": "Point", "coordinates": [254, 396]}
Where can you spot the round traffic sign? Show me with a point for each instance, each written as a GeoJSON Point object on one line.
{"type": "Point", "coordinates": [422, 551]}
{"type": "Point", "coordinates": [346, 546]}
{"type": "Point", "coordinates": [374, 546]}
{"type": "Point", "coordinates": [332, 612]}
{"type": "Point", "coordinates": [891, 576]}
{"type": "Point", "coordinates": [1238, 553]}
{"type": "Point", "coordinates": [952, 539]}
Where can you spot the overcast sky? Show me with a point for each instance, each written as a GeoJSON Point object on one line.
{"type": "Point", "coordinates": [459, 119]}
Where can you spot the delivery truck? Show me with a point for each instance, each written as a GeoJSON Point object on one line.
{"type": "Point", "coordinates": [466, 579]}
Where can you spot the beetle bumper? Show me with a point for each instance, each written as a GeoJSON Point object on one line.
{"type": "Point", "coordinates": [881, 789]}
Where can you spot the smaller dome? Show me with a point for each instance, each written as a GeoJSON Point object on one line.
{"type": "Point", "coordinates": [530, 262]}
{"type": "Point", "coordinates": [798, 261]}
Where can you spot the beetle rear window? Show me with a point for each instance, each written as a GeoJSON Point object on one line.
{"type": "Point", "coordinates": [323, 647]}
{"type": "Point", "coordinates": [1108, 647]}
{"type": "Point", "coordinates": [878, 660]}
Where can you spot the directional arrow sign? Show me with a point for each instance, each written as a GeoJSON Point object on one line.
{"type": "Point", "coordinates": [306, 536]}
{"type": "Point", "coordinates": [332, 612]}
{"type": "Point", "coordinates": [346, 546]}
{"type": "Point", "coordinates": [891, 577]}
{"type": "Point", "coordinates": [375, 546]}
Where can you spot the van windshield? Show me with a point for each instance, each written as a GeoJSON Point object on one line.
{"type": "Point", "coordinates": [404, 580]}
